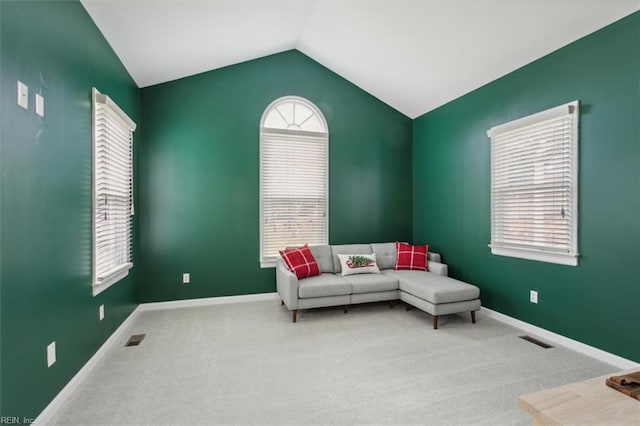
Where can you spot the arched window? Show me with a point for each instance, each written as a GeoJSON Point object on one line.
{"type": "Point", "coordinates": [294, 169]}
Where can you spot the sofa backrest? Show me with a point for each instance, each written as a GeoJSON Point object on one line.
{"type": "Point", "coordinates": [385, 254]}
{"type": "Point", "coordinates": [323, 257]}
{"type": "Point", "coordinates": [348, 249]}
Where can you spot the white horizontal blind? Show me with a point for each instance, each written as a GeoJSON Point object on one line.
{"type": "Point", "coordinates": [294, 190]}
{"type": "Point", "coordinates": [534, 186]}
{"type": "Point", "coordinates": [113, 191]}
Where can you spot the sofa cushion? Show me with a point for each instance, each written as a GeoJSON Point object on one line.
{"type": "Point", "coordinates": [352, 264]}
{"type": "Point", "coordinates": [432, 287]}
{"type": "Point", "coordinates": [411, 257]}
{"type": "Point", "coordinates": [369, 283]}
{"type": "Point", "coordinates": [323, 257]}
{"type": "Point", "coordinates": [347, 249]}
{"type": "Point", "coordinates": [300, 261]}
{"type": "Point", "coordinates": [323, 285]}
{"type": "Point", "coordinates": [385, 254]}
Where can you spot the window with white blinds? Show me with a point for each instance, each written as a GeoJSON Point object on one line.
{"type": "Point", "coordinates": [112, 192]}
{"type": "Point", "coordinates": [534, 186]}
{"type": "Point", "coordinates": [293, 177]}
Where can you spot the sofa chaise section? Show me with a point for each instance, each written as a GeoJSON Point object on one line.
{"type": "Point", "coordinates": [440, 296]}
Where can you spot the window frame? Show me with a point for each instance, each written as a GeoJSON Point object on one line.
{"type": "Point", "coordinates": [541, 254]}
{"type": "Point", "coordinates": [270, 261]}
{"type": "Point", "coordinates": [98, 286]}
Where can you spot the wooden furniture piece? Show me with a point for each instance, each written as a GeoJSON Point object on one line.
{"type": "Point", "coordinates": [590, 402]}
{"type": "Point", "coordinates": [628, 384]}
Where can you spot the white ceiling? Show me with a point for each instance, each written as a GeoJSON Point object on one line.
{"type": "Point", "coordinates": [413, 55]}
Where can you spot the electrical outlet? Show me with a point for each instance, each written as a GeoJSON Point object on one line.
{"type": "Point", "coordinates": [51, 354]}
{"type": "Point", "coordinates": [23, 95]}
{"type": "Point", "coordinates": [533, 296]}
{"type": "Point", "coordinates": [39, 105]}
{"type": "Point", "coordinates": [101, 312]}
{"type": "Point", "coordinates": [186, 278]}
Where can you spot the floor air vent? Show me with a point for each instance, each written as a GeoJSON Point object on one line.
{"type": "Point", "coordinates": [536, 342]}
{"type": "Point", "coordinates": [135, 340]}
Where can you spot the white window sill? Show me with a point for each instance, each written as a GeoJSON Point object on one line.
{"type": "Point", "coordinates": [559, 258]}
{"type": "Point", "coordinates": [268, 263]}
{"type": "Point", "coordinates": [113, 278]}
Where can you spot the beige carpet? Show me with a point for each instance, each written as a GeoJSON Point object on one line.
{"type": "Point", "coordinates": [247, 364]}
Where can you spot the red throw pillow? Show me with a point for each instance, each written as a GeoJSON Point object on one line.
{"type": "Point", "coordinates": [411, 257]}
{"type": "Point", "coordinates": [300, 261]}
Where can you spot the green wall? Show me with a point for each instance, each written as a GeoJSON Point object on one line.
{"type": "Point", "coordinates": [598, 302]}
{"type": "Point", "coordinates": [199, 176]}
{"type": "Point", "coordinates": [55, 49]}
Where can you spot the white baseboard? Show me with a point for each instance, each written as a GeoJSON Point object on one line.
{"type": "Point", "coordinates": [207, 301]}
{"type": "Point", "coordinates": [558, 339]}
{"type": "Point", "coordinates": [47, 414]}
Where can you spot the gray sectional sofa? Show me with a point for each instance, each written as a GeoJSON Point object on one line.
{"type": "Point", "coordinates": [433, 292]}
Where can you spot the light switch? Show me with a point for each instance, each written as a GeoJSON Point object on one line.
{"type": "Point", "coordinates": [39, 105]}
{"type": "Point", "coordinates": [23, 95]}
{"type": "Point", "coordinates": [51, 354]}
{"type": "Point", "coordinates": [101, 312]}
{"type": "Point", "coordinates": [186, 278]}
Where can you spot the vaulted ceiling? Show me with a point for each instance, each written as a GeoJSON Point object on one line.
{"type": "Point", "coordinates": [413, 55]}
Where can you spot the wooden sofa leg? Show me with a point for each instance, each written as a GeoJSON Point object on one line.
{"type": "Point", "coordinates": [345, 309]}
{"type": "Point", "coordinates": [281, 302]}
{"type": "Point", "coordinates": [435, 322]}
{"type": "Point", "coordinates": [391, 304]}
{"type": "Point", "coordinates": [295, 315]}
{"type": "Point", "coordinates": [473, 317]}
{"type": "Point", "coordinates": [409, 307]}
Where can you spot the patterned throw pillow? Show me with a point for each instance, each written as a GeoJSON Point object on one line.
{"type": "Point", "coordinates": [411, 257]}
{"type": "Point", "coordinates": [300, 261]}
{"type": "Point", "coordinates": [358, 264]}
